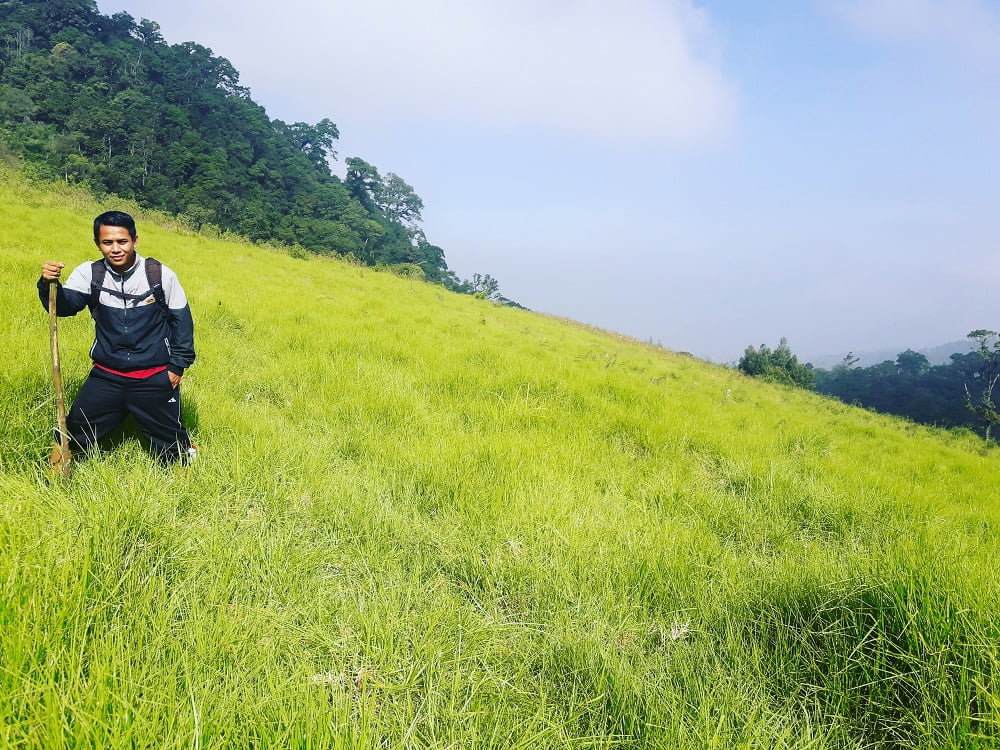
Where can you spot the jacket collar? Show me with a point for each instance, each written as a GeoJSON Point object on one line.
{"type": "Point", "coordinates": [127, 273]}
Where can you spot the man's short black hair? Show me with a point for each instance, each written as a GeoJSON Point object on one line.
{"type": "Point", "coordinates": [114, 219]}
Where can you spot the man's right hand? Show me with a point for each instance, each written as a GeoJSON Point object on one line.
{"type": "Point", "coordinates": [51, 269]}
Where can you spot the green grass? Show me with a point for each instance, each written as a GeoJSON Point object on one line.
{"type": "Point", "coordinates": [422, 520]}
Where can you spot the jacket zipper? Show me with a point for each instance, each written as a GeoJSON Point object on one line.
{"type": "Point", "coordinates": [128, 354]}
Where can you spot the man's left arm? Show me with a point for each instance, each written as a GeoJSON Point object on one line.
{"type": "Point", "coordinates": [181, 326]}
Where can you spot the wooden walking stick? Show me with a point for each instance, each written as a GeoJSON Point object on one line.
{"type": "Point", "coordinates": [60, 455]}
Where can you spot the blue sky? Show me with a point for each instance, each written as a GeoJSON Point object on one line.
{"type": "Point", "coordinates": [706, 175]}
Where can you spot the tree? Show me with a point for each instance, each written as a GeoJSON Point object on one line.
{"type": "Point", "coordinates": [398, 201]}
{"type": "Point", "coordinates": [15, 104]}
{"type": "Point", "coordinates": [363, 181]}
{"type": "Point", "coordinates": [18, 42]}
{"type": "Point", "coordinates": [777, 366]}
{"type": "Point", "coordinates": [148, 32]}
{"type": "Point", "coordinates": [912, 363]}
{"type": "Point", "coordinates": [847, 362]}
{"type": "Point", "coordinates": [315, 141]}
{"type": "Point", "coordinates": [485, 286]}
{"type": "Point", "coordinates": [988, 376]}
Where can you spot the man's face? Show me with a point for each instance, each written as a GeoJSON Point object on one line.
{"type": "Point", "coordinates": [118, 247]}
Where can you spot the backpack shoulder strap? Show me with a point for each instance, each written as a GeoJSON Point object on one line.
{"type": "Point", "coordinates": [154, 275]}
{"type": "Point", "coordinates": [97, 273]}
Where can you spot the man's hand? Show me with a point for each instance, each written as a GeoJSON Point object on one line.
{"type": "Point", "coordinates": [51, 269]}
{"type": "Point", "coordinates": [175, 380]}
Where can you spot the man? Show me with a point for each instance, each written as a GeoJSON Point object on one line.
{"type": "Point", "coordinates": [144, 341]}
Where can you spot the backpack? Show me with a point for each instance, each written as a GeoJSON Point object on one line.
{"type": "Point", "coordinates": [154, 276]}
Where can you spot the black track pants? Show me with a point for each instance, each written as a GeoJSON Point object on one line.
{"type": "Point", "coordinates": [106, 399]}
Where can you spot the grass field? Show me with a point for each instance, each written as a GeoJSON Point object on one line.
{"type": "Point", "coordinates": [421, 520]}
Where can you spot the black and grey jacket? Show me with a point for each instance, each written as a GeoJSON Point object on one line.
{"type": "Point", "coordinates": [132, 330]}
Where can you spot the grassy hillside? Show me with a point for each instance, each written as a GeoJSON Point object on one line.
{"type": "Point", "coordinates": [421, 520]}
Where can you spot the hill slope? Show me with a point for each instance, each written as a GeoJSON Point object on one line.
{"type": "Point", "coordinates": [422, 520]}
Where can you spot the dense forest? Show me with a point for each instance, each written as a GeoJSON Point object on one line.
{"type": "Point", "coordinates": [106, 102]}
{"type": "Point", "coordinates": [958, 394]}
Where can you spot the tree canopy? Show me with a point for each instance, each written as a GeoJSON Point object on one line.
{"type": "Point", "coordinates": [957, 394]}
{"type": "Point", "coordinates": [778, 365]}
{"type": "Point", "coordinates": [105, 101]}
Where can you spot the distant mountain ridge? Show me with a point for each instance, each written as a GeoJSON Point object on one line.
{"type": "Point", "coordinates": [936, 355]}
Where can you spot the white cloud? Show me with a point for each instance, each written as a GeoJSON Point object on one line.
{"type": "Point", "coordinates": [632, 70]}
{"type": "Point", "coordinates": [969, 28]}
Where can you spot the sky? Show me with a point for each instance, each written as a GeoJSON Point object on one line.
{"type": "Point", "coordinates": [703, 175]}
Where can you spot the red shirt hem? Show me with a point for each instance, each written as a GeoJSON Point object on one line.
{"type": "Point", "coordinates": [137, 374]}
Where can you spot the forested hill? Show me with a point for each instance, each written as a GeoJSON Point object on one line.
{"type": "Point", "coordinates": [105, 101]}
